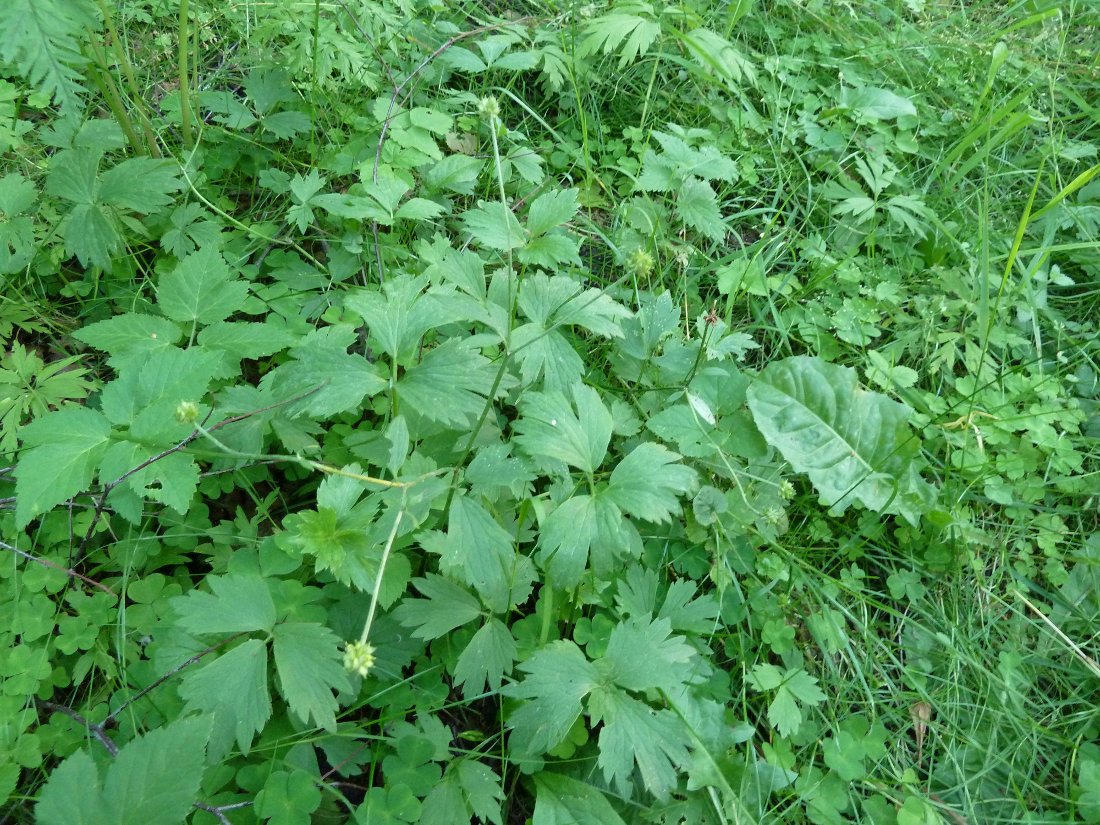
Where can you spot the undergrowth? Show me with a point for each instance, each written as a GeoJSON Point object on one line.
{"type": "Point", "coordinates": [549, 412]}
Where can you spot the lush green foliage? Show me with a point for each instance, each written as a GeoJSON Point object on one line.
{"type": "Point", "coordinates": [551, 413]}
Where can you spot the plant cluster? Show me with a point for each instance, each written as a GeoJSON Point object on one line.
{"type": "Point", "coordinates": [500, 412]}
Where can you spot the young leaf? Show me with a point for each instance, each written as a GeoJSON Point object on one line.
{"type": "Point", "coordinates": [697, 206]}
{"type": "Point", "coordinates": [649, 480]}
{"type": "Point", "coordinates": [201, 289]}
{"type": "Point", "coordinates": [233, 688]}
{"type": "Point", "coordinates": [558, 678]}
{"type": "Point", "coordinates": [308, 661]}
{"type": "Point", "coordinates": [238, 603]}
{"type": "Point", "coordinates": [793, 689]}
{"type": "Point", "coordinates": [60, 453]}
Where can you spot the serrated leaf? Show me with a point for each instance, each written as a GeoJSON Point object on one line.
{"type": "Point", "coordinates": [558, 677]}
{"type": "Point", "coordinates": [130, 332]}
{"type": "Point", "coordinates": [309, 665]}
{"type": "Point", "coordinates": [631, 34]}
{"type": "Point", "coordinates": [854, 445]}
{"type": "Point", "coordinates": [449, 385]}
{"type": "Point", "coordinates": [642, 654]}
{"type": "Point", "coordinates": [792, 688]}
{"type": "Point", "coordinates": [875, 103]}
{"type": "Point", "coordinates": [648, 482]}
{"type": "Point", "coordinates": [233, 688]}
{"type": "Point", "coordinates": [486, 659]}
{"type": "Point", "coordinates": [562, 800]}
{"type": "Point", "coordinates": [335, 380]}
{"type": "Point", "coordinates": [480, 552]}
{"type": "Point", "coordinates": [60, 453]}
{"type": "Point", "coordinates": [697, 206]}
{"type": "Point", "coordinates": [201, 289]}
{"type": "Point", "coordinates": [445, 607]}
{"type": "Point", "coordinates": [238, 603]}
{"type": "Point", "coordinates": [575, 431]}
{"type": "Point", "coordinates": [635, 734]}
{"type": "Point", "coordinates": [401, 313]}
{"type": "Point", "coordinates": [493, 226]}
{"type": "Point", "coordinates": [551, 210]}
{"type": "Point", "coordinates": [139, 184]}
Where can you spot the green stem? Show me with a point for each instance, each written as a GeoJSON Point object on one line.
{"type": "Point", "coordinates": [183, 38]}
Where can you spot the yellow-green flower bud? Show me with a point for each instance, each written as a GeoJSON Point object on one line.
{"type": "Point", "coordinates": [187, 412]}
{"type": "Point", "coordinates": [359, 657]}
{"type": "Point", "coordinates": [640, 262]}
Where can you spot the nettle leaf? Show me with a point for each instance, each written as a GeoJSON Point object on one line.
{"type": "Point", "coordinates": [493, 226]}
{"type": "Point", "coordinates": [648, 482]}
{"type": "Point", "coordinates": [446, 607]}
{"type": "Point", "coordinates": [635, 734]}
{"type": "Point", "coordinates": [233, 688]}
{"type": "Point", "coordinates": [310, 667]}
{"type": "Point", "coordinates": [793, 689]}
{"type": "Point", "coordinates": [854, 445]}
{"type": "Point", "coordinates": [550, 428]}
{"type": "Point", "coordinates": [562, 800]}
{"type": "Point", "coordinates": [154, 780]}
{"type": "Point", "coordinates": [558, 678]}
{"type": "Point", "coordinates": [486, 659]}
{"type": "Point", "coordinates": [238, 603]}
{"type": "Point", "coordinates": [61, 451]}
{"type": "Point", "coordinates": [201, 289]}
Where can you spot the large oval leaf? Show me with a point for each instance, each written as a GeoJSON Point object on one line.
{"type": "Point", "coordinates": [855, 445]}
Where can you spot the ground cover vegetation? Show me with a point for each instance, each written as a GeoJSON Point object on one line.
{"type": "Point", "coordinates": [549, 412]}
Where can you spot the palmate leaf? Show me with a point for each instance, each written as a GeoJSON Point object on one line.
{"type": "Point", "coordinates": [854, 445]}
{"type": "Point", "coordinates": [445, 607]}
{"type": "Point", "coordinates": [237, 603]}
{"type": "Point", "coordinates": [561, 800]}
{"type": "Point", "coordinates": [630, 34]}
{"type": "Point", "coordinates": [559, 676]}
{"type": "Point", "coordinates": [449, 385]}
{"type": "Point", "coordinates": [648, 482]}
{"type": "Point", "coordinates": [635, 734]}
{"type": "Point", "coordinates": [486, 659]}
{"type": "Point", "coordinates": [201, 289]}
{"type": "Point", "coordinates": [550, 428]}
{"type": "Point", "coordinates": [697, 206]}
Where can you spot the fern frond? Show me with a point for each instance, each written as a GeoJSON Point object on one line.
{"type": "Point", "coordinates": [41, 39]}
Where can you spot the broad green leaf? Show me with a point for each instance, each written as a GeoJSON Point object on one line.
{"type": "Point", "coordinates": [233, 688]}
{"type": "Point", "coordinates": [493, 226]}
{"type": "Point", "coordinates": [139, 185]}
{"type": "Point", "coordinates": [156, 778]}
{"type": "Point", "coordinates": [853, 444]}
{"type": "Point", "coordinates": [60, 453]}
{"type": "Point", "coordinates": [486, 659]}
{"type": "Point", "coordinates": [91, 235]}
{"type": "Point", "coordinates": [558, 678]}
{"type": "Point", "coordinates": [239, 602]}
{"type": "Point", "coordinates": [697, 206]}
{"type": "Point", "coordinates": [559, 300]}
{"type": "Point", "coordinates": [73, 794]}
{"type": "Point", "coordinates": [307, 659]}
{"type": "Point", "coordinates": [332, 379]}
{"type": "Point", "coordinates": [445, 607]}
{"type": "Point", "coordinates": [399, 315]}
{"type": "Point", "coordinates": [551, 210]}
{"type": "Point", "coordinates": [201, 289]}
{"type": "Point", "coordinates": [566, 538]}
{"type": "Point", "coordinates": [481, 553]}
{"type": "Point", "coordinates": [482, 788]}
{"type": "Point", "coordinates": [550, 428]}
{"type": "Point", "coordinates": [644, 655]}
{"type": "Point", "coordinates": [633, 733]}
{"type": "Point", "coordinates": [648, 482]}
{"type": "Point", "coordinates": [876, 104]}
{"type": "Point", "coordinates": [561, 800]}
{"type": "Point", "coordinates": [546, 354]}
{"type": "Point", "coordinates": [130, 332]}
{"type": "Point", "coordinates": [243, 340]}
{"type": "Point", "coordinates": [449, 385]}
